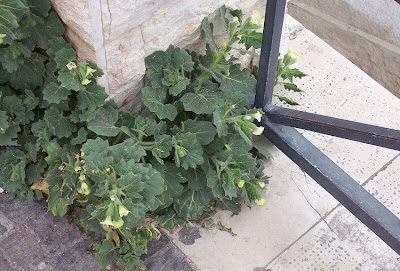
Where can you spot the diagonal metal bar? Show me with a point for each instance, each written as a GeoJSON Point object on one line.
{"type": "Point", "coordinates": [370, 134]}
{"type": "Point", "coordinates": [274, 14]}
{"type": "Point", "coordinates": [334, 180]}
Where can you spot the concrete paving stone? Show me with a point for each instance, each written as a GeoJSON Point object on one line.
{"type": "Point", "coordinates": [345, 245]}
{"type": "Point", "coordinates": [53, 231]}
{"type": "Point", "coordinates": [385, 186]}
{"type": "Point", "coordinates": [171, 259]}
{"type": "Point", "coordinates": [22, 249]}
{"type": "Point", "coordinates": [2, 230]}
{"type": "Point", "coordinates": [155, 246]}
{"type": "Point", "coordinates": [75, 259]}
{"type": "Point", "coordinates": [17, 212]}
{"type": "Point", "coordinates": [4, 265]}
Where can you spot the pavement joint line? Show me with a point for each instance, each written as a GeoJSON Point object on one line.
{"type": "Point", "coordinates": [301, 236]}
{"type": "Point", "coordinates": [312, 207]}
{"type": "Point", "coordinates": [385, 166]}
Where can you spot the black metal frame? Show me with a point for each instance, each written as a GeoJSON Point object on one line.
{"type": "Point", "coordinates": [278, 123]}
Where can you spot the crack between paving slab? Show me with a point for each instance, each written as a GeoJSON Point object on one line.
{"type": "Point", "coordinates": [309, 203]}
{"type": "Point", "coordinates": [300, 237]}
{"type": "Point", "coordinates": [384, 167]}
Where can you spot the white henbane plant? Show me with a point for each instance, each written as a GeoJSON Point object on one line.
{"type": "Point", "coordinates": [121, 175]}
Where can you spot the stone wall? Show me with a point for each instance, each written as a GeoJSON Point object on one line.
{"type": "Point", "coordinates": [119, 34]}
{"type": "Point", "coordinates": [366, 32]}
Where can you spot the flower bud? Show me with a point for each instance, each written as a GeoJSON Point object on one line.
{"type": "Point", "coordinates": [235, 20]}
{"type": "Point", "coordinates": [2, 36]}
{"type": "Point", "coordinates": [258, 131]}
{"type": "Point", "coordinates": [247, 117]}
{"type": "Point", "coordinates": [77, 169]}
{"type": "Point", "coordinates": [241, 183]}
{"type": "Point", "coordinates": [84, 190]}
{"type": "Point", "coordinates": [182, 152]}
{"type": "Point", "coordinates": [82, 177]}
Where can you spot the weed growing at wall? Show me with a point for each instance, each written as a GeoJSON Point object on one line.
{"type": "Point", "coordinates": [122, 175]}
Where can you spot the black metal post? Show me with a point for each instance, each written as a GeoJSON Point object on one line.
{"type": "Point", "coordinates": [274, 15]}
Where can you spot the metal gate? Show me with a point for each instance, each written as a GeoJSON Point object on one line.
{"type": "Point", "coordinates": [279, 122]}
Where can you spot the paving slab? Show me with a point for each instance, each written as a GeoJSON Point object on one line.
{"type": "Point", "coordinates": [297, 207]}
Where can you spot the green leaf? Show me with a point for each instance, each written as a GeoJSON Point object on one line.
{"type": "Point", "coordinates": [162, 148]}
{"type": "Point", "coordinates": [59, 125]}
{"type": "Point", "coordinates": [239, 81]}
{"type": "Point", "coordinates": [290, 73]}
{"type": "Point", "coordinates": [208, 31]}
{"type": "Point", "coordinates": [10, 14]}
{"type": "Point", "coordinates": [192, 155]}
{"type": "Point", "coordinates": [10, 134]}
{"type": "Point", "coordinates": [180, 86]}
{"type": "Point", "coordinates": [291, 86]}
{"type": "Point", "coordinates": [173, 177]}
{"type": "Point", "coordinates": [286, 100]}
{"type": "Point", "coordinates": [252, 39]}
{"type": "Point", "coordinates": [58, 201]}
{"type": "Point", "coordinates": [154, 186]}
{"type": "Point", "coordinates": [215, 184]}
{"type": "Point", "coordinates": [12, 166]}
{"type": "Point", "coordinates": [91, 97]}
{"type": "Point", "coordinates": [69, 80]}
{"type": "Point", "coordinates": [183, 60]}
{"type": "Point", "coordinates": [54, 93]}
{"type": "Point", "coordinates": [131, 262]}
{"type": "Point", "coordinates": [104, 122]}
{"type": "Point", "coordinates": [81, 137]}
{"type": "Point", "coordinates": [136, 215]}
{"type": "Point", "coordinates": [219, 122]}
{"type": "Point", "coordinates": [205, 131]}
{"type": "Point", "coordinates": [192, 204]}
{"type": "Point", "coordinates": [202, 103]}
{"type": "Point", "coordinates": [30, 74]}
{"type": "Point", "coordinates": [127, 150]}
{"type": "Point", "coordinates": [197, 180]}
{"type": "Point", "coordinates": [232, 205]}
{"type": "Point", "coordinates": [3, 122]}
{"type": "Point", "coordinates": [104, 252]}
{"type": "Point", "coordinates": [63, 57]}
{"type": "Point", "coordinates": [154, 99]}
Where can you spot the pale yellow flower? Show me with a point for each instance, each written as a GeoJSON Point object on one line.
{"type": "Point", "coordinates": [257, 19]}
{"type": "Point", "coordinates": [258, 131]}
{"type": "Point", "coordinates": [118, 224]}
{"type": "Point", "coordinates": [2, 36]}
{"type": "Point", "coordinates": [86, 82]}
{"type": "Point", "coordinates": [71, 65]}
{"type": "Point", "coordinates": [261, 201]}
{"type": "Point", "coordinates": [122, 211]}
{"type": "Point", "coordinates": [89, 71]}
{"type": "Point", "coordinates": [241, 183]}
{"type": "Point", "coordinates": [261, 184]}
{"type": "Point", "coordinates": [295, 55]}
{"type": "Point", "coordinates": [107, 221]}
{"type": "Point", "coordinates": [235, 20]}
{"type": "Point", "coordinates": [247, 117]}
{"type": "Point", "coordinates": [257, 116]}
{"type": "Point", "coordinates": [84, 189]}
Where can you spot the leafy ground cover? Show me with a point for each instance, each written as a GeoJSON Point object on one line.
{"type": "Point", "coordinates": [124, 175]}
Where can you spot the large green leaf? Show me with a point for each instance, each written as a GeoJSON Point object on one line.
{"type": "Point", "coordinates": [10, 13]}
{"type": "Point", "coordinates": [154, 99]}
{"type": "Point", "coordinates": [53, 93]}
{"type": "Point", "coordinates": [238, 81]}
{"type": "Point", "coordinates": [3, 122]}
{"type": "Point", "coordinates": [69, 80]}
{"type": "Point", "coordinates": [91, 97]}
{"type": "Point", "coordinates": [105, 120]}
{"type": "Point", "coordinates": [192, 204]}
{"type": "Point", "coordinates": [58, 124]}
{"type": "Point", "coordinates": [173, 177]}
{"type": "Point", "coordinates": [188, 151]}
{"type": "Point", "coordinates": [205, 131]}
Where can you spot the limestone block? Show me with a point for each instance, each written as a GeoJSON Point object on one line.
{"type": "Point", "coordinates": [121, 16]}
{"type": "Point", "coordinates": [76, 15]}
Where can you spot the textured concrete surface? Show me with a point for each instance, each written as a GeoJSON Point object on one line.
{"type": "Point", "coordinates": [32, 239]}
{"type": "Point", "coordinates": [302, 227]}
{"type": "Point", "coordinates": [366, 32]}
